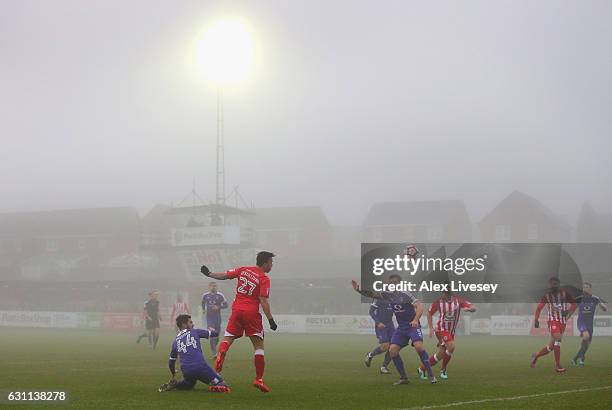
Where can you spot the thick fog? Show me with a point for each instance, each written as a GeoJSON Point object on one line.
{"type": "Point", "coordinates": [433, 157]}
{"type": "Point", "coordinates": [397, 121]}
{"type": "Point", "coordinates": [351, 103]}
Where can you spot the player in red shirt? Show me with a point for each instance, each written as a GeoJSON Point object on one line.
{"type": "Point", "coordinates": [252, 289]}
{"type": "Point", "coordinates": [556, 301]}
{"type": "Point", "coordinates": [449, 308]}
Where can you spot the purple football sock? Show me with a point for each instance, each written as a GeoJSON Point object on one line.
{"type": "Point", "coordinates": [399, 365]}
{"type": "Point", "coordinates": [376, 351]}
{"type": "Point", "coordinates": [425, 360]}
{"type": "Point", "coordinates": [387, 360]}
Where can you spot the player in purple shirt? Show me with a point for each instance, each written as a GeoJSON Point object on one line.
{"type": "Point", "coordinates": [407, 310]}
{"type": "Point", "coordinates": [188, 348]}
{"type": "Point", "coordinates": [587, 305]}
{"type": "Point", "coordinates": [381, 313]}
{"type": "Point", "coordinates": [212, 303]}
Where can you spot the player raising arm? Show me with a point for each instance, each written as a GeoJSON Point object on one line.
{"type": "Point", "coordinates": [252, 290]}
{"type": "Point", "coordinates": [448, 308]}
{"type": "Point", "coordinates": [556, 301]}
{"type": "Point", "coordinates": [188, 348]}
{"type": "Point", "coordinates": [407, 310]}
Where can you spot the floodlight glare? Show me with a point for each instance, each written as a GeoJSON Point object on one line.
{"type": "Point", "coordinates": [225, 51]}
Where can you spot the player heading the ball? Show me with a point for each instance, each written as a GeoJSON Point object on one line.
{"type": "Point", "coordinates": [407, 310]}
{"type": "Point", "coordinates": [252, 290]}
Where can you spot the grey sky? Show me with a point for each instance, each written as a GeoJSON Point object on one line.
{"type": "Point", "coordinates": [354, 102]}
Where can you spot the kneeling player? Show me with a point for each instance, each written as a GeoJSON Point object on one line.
{"type": "Point", "coordinates": [188, 348]}
{"type": "Point", "coordinates": [449, 308]}
{"type": "Point", "coordinates": [408, 311]}
{"type": "Point", "coordinates": [556, 301]}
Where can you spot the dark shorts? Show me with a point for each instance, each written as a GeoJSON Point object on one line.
{"type": "Point", "coordinates": [402, 337]}
{"type": "Point", "coordinates": [384, 335]}
{"type": "Point", "coordinates": [203, 373]}
{"type": "Point", "coordinates": [214, 322]}
{"type": "Point", "coordinates": [585, 326]}
{"type": "Point", "coordinates": [152, 324]}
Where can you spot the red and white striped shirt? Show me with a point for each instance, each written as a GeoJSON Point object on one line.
{"type": "Point", "coordinates": [180, 308]}
{"type": "Point", "coordinates": [449, 311]}
{"type": "Point", "coordinates": [556, 304]}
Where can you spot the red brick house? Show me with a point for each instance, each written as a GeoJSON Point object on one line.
{"type": "Point", "coordinates": [522, 218]}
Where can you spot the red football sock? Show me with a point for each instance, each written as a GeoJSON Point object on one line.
{"type": "Point", "coordinates": [544, 351]}
{"type": "Point", "coordinates": [557, 350]}
{"type": "Point", "coordinates": [223, 347]}
{"type": "Point", "coordinates": [260, 364]}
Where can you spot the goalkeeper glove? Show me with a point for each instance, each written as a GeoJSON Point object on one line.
{"type": "Point", "coordinates": [273, 324]}
{"type": "Point", "coordinates": [205, 271]}
{"type": "Point", "coordinates": [536, 323]}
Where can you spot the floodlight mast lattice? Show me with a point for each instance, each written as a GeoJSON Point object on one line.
{"type": "Point", "coordinates": [220, 173]}
{"type": "Point", "coordinates": [226, 55]}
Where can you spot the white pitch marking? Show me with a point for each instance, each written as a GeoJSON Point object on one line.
{"type": "Point", "coordinates": [528, 396]}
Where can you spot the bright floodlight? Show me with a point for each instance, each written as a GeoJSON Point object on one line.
{"type": "Point", "coordinates": [226, 52]}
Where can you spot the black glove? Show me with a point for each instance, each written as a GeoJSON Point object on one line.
{"type": "Point", "coordinates": [205, 271]}
{"type": "Point", "coordinates": [273, 324]}
{"type": "Point", "coordinates": [536, 323]}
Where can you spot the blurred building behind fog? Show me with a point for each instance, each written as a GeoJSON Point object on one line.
{"type": "Point", "coordinates": [423, 221]}
{"type": "Point", "coordinates": [107, 259]}
{"type": "Point", "coordinates": [522, 218]}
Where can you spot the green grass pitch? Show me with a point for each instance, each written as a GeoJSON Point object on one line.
{"type": "Point", "coordinates": [109, 370]}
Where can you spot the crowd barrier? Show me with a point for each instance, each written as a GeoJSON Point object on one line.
{"type": "Point", "coordinates": [499, 325]}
